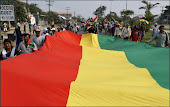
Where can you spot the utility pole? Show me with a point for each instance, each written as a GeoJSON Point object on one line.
{"type": "Point", "coordinates": [110, 6]}
{"type": "Point", "coordinates": [49, 4]}
{"type": "Point", "coordinates": [162, 10]}
{"type": "Point", "coordinates": [126, 5]}
{"type": "Point", "coordinates": [74, 15]}
{"type": "Point", "coordinates": [126, 11]}
{"type": "Point", "coordinates": [27, 9]}
{"type": "Point", "coordinates": [26, 5]}
{"type": "Point", "coordinates": [67, 8]}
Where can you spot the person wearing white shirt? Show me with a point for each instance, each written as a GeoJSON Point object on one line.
{"type": "Point", "coordinates": [117, 31]}
{"type": "Point", "coordinates": [155, 29]}
{"type": "Point", "coordinates": [105, 27]}
{"type": "Point", "coordinates": [126, 32]}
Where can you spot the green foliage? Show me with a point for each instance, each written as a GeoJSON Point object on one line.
{"type": "Point", "coordinates": [165, 15]}
{"type": "Point", "coordinates": [19, 10]}
{"type": "Point", "coordinates": [127, 12]}
{"type": "Point", "coordinates": [79, 19]}
{"type": "Point", "coordinates": [52, 16]}
{"type": "Point", "coordinates": [132, 22]}
{"type": "Point", "coordinates": [112, 15]}
{"type": "Point", "coordinates": [100, 11]}
{"type": "Point", "coordinates": [33, 9]}
{"type": "Point", "coordinates": [148, 15]}
{"type": "Point", "coordinates": [126, 15]}
{"type": "Point", "coordinates": [148, 36]}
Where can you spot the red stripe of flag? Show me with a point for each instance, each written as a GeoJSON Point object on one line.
{"type": "Point", "coordinates": [41, 78]}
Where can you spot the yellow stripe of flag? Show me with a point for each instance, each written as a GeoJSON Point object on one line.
{"type": "Point", "coordinates": [107, 78]}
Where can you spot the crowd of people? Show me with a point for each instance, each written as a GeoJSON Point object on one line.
{"type": "Point", "coordinates": [132, 33]}
{"type": "Point", "coordinates": [24, 43]}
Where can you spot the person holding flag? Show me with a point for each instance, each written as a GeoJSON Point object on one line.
{"type": "Point", "coordinates": [95, 21]}
{"type": "Point", "coordinates": [27, 46]}
{"type": "Point", "coordinates": [142, 30]}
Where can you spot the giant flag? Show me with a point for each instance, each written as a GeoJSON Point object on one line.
{"type": "Point", "coordinates": [87, 70]}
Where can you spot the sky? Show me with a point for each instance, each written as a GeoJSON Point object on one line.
{"type": "Point", "coordinates": [86, 8]}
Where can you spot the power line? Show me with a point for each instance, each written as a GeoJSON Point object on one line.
{"type": "Point", "coordinates": [110, 6]}
{"type": "Point", "coordinates": [74, 13]}
{"type": "Point", "coordinates": [49, 3]}
{"type": "Point", "coordinates": [67, 8]}
{"type": "Point", "coordinates": [126, 5]}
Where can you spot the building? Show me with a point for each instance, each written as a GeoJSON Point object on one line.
{"type": "Point", "coordinates": [67, 16]}
{"type": "Point", "coordinates": [3, 1]}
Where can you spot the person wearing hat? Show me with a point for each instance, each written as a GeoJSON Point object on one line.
{"type": "Point", "coordinates": [44, 32]}
{"type": "Point", "coordinates": [5, 27]}
{"type": "Point", "coordinates": [135, 35]}
{"type": "Point", "coordinates": [53, 31]}
{"type": "Point", "coordinates": [126, 32]}
{"type": "Point", "coordinates": [48, 30]}
{"type": "Point", "coordinates": [37, 31]}
{"type": "Point", "coordinates": [117, 31]}
{"type": "Point", "coordinates": [155, 29]}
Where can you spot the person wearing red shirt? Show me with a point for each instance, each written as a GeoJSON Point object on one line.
{"type": "Point", "coordinates": [135, 35]}
{"type": "Point", "coordinates": [114, 28]}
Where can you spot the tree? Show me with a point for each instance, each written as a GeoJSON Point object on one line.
{"type": "Point", "coordinates": [134, 21]}
{"type": "Point", "coordinates": [79, 18]}
{"type": "Point", "coordinates": [165, 15]}
{"type": "Point", "coordinates": [33, 9]}
{"type": "Point", "coordinates": [100, 11]}
{"type": "Point", "coordinates": [52, 16]}
{"type": "Point", "coordinates": [112, 15]}
{"type": "Point", "coordinates": [126, 14]}
{"type": "Point", "coordinates": [148, 15]}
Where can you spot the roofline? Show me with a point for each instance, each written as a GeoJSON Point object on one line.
{"type": "Point", "coordinates": [20, 1]}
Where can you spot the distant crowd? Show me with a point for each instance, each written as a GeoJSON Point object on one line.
{"type": "Point", "coordinates": [134, 34]}
{"type": "Point", "coordinates": [24, 43]}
